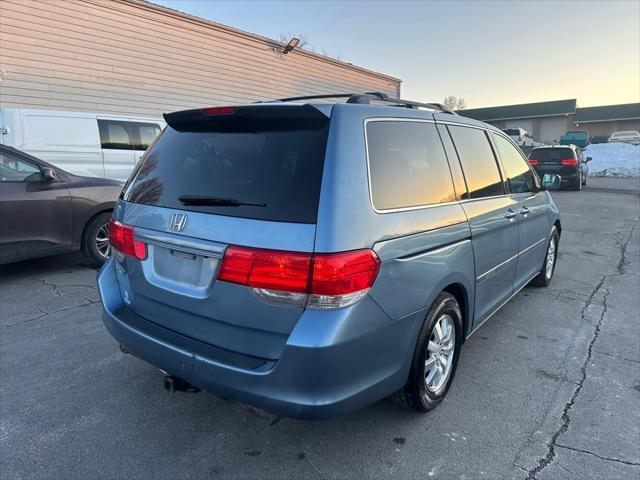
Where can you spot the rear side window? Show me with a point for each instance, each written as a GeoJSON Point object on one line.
{"type": "Point", "coordinates": [478, 162]}
{"type": "Point", "coordinates": [122, 135]}
{"type": "Point", "coordinates": [276, 168]}
{"type": "Point", "coordinates": [519, 176]}
{"type": "Point", "coordinates": [552, 155]}
{"type": "Point", "coordinates": [407, 165]}
{"type": "Point", "coordinates": [145, 133]}
{"type": "Point", "coordinates": [116, 134]}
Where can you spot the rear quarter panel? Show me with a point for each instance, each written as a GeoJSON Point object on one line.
{"type": "Point", "coordinates": [87, 200]}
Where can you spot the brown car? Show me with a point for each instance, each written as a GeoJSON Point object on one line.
{"type": "Point", "coordinates": [45, 210]}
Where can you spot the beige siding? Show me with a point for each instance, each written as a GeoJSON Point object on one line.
{"type": "Point", "coordinates": [605, 129]}
{"type": "Point", "coordinates": [131, 57]}
{"type": "Point", "coordinates": [543, 129]}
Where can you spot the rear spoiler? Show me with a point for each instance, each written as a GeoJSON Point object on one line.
{"type": "Point", "coordinates": [249, 118]}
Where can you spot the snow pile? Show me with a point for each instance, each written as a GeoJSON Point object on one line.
{"type": "Point", "coordinates": [613, 159]}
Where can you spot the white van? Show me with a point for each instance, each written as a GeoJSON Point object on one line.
{"type": "Point", "coordinates": [89, 144]}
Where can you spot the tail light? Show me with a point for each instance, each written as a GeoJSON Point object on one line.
{"type": "Point", "coordinates": [320, 281]}
{"type": "Point", "coordinates": [533, 161]}
{"type": "Point", "coordinates": [570, 161]}
{"type": "Point", "coordinates": [219, 110]}
{"type": "Point", "coordinates": [121, 239]}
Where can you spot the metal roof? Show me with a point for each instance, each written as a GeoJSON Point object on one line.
{"type": "Point", "coordinates": [608, 113]}
{"type": "Point", "coordinates": [524, 110]}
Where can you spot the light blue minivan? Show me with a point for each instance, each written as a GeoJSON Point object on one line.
{"type": "Point", "coordinates": [311, 258]}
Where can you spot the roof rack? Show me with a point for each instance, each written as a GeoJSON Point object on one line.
{"type": "Point", "coordinates": [368, 97]}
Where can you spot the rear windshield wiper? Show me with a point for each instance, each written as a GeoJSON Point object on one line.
{"type": "Point", "coordinates": [197, 200]}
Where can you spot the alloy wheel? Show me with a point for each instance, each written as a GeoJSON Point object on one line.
{"type": "Point", "coordinates": [102, 241]}
{"type": "Point", "coordinates": [551, 258]}
{"type": "Point", "coordinates": [439, 359]}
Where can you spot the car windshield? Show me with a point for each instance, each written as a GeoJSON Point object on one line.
{"type": "Point", "coordinates": [625, 133]}
{"type": "Point", "coordinates": [512, 132]}
{"type": "Point", "coordinates": [576, 134]}
{"type": "Point", "coordinates": [551, 155]}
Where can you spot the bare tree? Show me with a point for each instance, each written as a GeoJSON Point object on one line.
{"type": "Point", "coordinates": [303, 43]}
{"type": "Point", "coordinates": [454, 103]}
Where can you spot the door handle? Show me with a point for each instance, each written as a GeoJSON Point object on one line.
{"type": "Point", "coordinates": [524, 211]}
{"type": "Point", "coordinates": [510, 215]}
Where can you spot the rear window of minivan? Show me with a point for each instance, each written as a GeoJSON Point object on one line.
{"type": "Point", "coordinates": [276, 168]}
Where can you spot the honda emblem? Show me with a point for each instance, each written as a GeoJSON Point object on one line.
{"type": "Point", "coordinates": [178, 222]}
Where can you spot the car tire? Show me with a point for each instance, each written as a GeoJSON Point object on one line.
{"type": "Point", "coordinates": [584, 181]}
{"type": "Point", "coordinates": [545, 274]}
{"type": "Point", "coordinates": [438, 342]}
{"type": "Point", "coordinates": [95, 232]}
{"type": "Point", "coordinates": [577, 185]}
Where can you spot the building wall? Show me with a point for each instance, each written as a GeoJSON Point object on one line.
{"type": "Point", "coordinates": [543, 129]}
{"type": "Point", "coordinates": [131, 57]}
{"type": "Point", "coordinates": [606, 128]}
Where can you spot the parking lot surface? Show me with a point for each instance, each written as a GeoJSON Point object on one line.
{"type": "Point", "coordinates": [548, 388]}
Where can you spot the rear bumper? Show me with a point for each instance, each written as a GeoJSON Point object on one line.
{"type": "Point", "coordinates": [329, 366]}
{"type": "Point", "coordinates": [565, 178]}
{"type": "Point", "coordinates": [569, 179]}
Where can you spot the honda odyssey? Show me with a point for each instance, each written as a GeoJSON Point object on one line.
{"type": "Point", "coordinates": [310, 258]}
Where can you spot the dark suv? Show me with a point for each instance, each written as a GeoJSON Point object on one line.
{"type": "Point", "coordinates": [566, 161]}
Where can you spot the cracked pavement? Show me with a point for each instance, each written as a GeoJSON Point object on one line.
{"type": "Point", "coordinates": [549, 388]}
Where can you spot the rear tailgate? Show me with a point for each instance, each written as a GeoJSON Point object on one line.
{"type": "Point", "coordinates": [550, 160]}
{"type": "Point", "coordinates": [250, 176]}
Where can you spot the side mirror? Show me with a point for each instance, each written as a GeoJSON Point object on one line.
{"type": "Point", "coordinates": [49, 174]}
{"type": "Point", "coordinates": [588, 159]}
{"type": "Point", "coordinates": [550, 182]}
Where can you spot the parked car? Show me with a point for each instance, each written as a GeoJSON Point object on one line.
{"type": "Point", "coordinates": [628, 136]}
{"type": "Point", "coordinates": [566, 161]}
{"type": "Point", "coordinates": [599, 139]}
{"type": "Point", "coordinates": [310, 258]}
{"type": "Point", "coordinates": [86, 144]}
{"type": "Point", "coordinates": [579, 138]}
{"type": "Point", "coordinates": [520, 136]}
{"type": "Point", "coordinates": [45, 210]}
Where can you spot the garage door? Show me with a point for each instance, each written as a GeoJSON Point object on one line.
{"type": "Point", "coordinates": [551, 129]}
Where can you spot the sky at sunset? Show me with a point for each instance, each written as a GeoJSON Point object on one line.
{"type": "Point", "coordinates": [489, 53]}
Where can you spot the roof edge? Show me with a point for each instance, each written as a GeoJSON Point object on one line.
{"type": "Point", "coordinates": [518, 118]}
{"type": "Point", "coordinates": [148, 5]}
{"type": "Point", "coordinates": [606, 120]}
{"type": "Point", "coordinates": [524, 104]}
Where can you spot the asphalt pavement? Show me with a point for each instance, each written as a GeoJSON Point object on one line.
{"type": "Point", "coordinates": [549, 388]}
